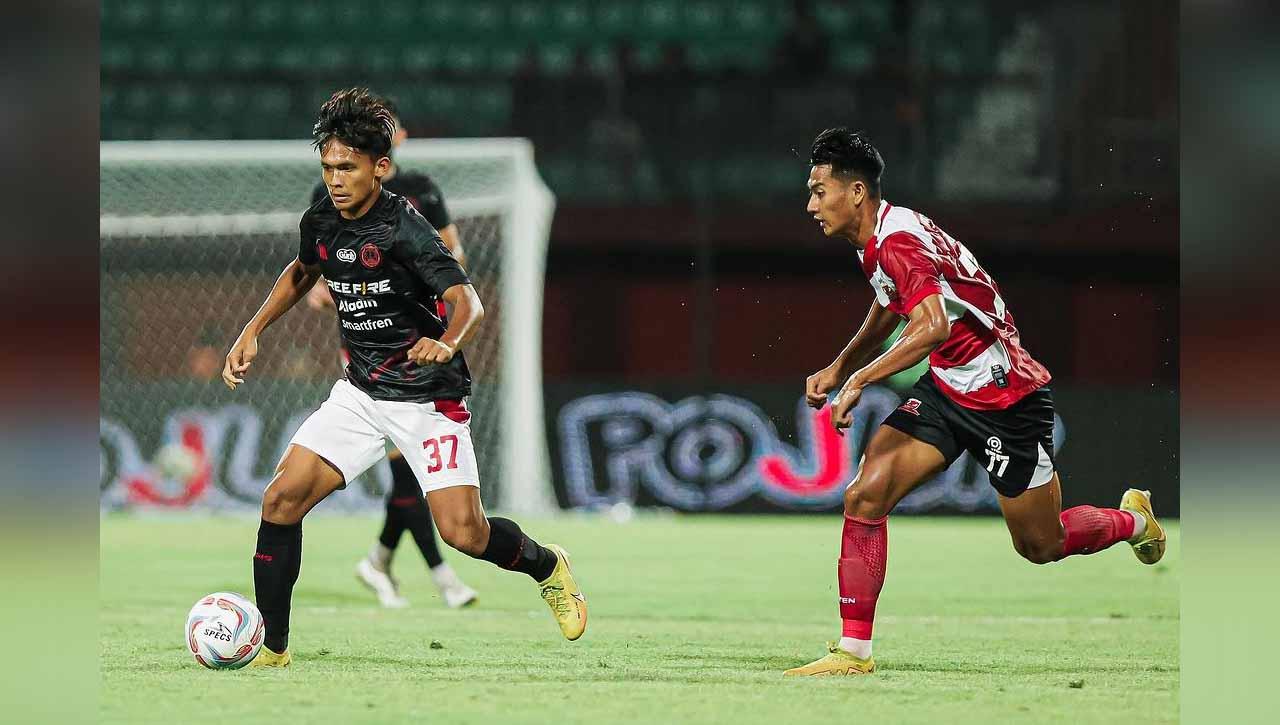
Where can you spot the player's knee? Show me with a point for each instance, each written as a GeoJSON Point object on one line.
{"type": "Point", "coordinates": [867, 498]}
{"type": "Point", "coordinates": [466, 533]}
{"type": "Point", "coordinates": [281, 505]}
{"type": "Point", "coordinates": [1039, 551]}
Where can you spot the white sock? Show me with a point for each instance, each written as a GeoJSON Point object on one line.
{"type": "Point", "coordinates": [1139, 525]}
{"type": "Point", "coordinates": [443, 575]}
{"type": "Point", "coordinates": [380, 557]}
{"type": "Point", "coordinates": [860, 648]}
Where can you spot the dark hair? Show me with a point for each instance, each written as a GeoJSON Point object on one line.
{"type": "Point", "coordinates": [358, 119]}
{"type": "Point", "coordinates": [850, 154]}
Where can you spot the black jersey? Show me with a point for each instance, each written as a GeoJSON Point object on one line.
{"type": "Point", "coordinates": [387, 271]}
{"type": "Point", "coordinates": [418, 188]}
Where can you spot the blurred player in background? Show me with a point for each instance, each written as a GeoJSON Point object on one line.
{"type": "Point", "coordinates": [407, 508]}
{"type": "Point", "coordinates": [983, 394]}
{"type": "Point", "coordinates": [407, 379]}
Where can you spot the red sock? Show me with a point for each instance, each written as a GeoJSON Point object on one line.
{"type": "Point", "coordinates": [1090, 530]}
{"type": "Point", "coordinates": [864, 548]}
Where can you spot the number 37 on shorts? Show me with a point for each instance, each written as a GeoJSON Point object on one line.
{"type": "Point", "coordinates": [436, 462]}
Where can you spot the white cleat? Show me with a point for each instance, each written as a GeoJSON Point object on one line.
{"type": "Point", "coordinates": [382, 584]}
{"type": "Point", "coordinates": [456, 594]}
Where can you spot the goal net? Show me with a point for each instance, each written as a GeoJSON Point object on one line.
{"type": "Point", "coordinates": [193, 234]}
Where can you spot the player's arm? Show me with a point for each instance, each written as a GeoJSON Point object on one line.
{"type": "Point", "coordinates": [927, 328]}
{"type": "Point", "coordinates": [463, 323]}
{"type": "Point", "coordinates": [293, 283]}
{"type": "Point", "coordinates": [876, 328]}
{"type": "Point", "coordinates": [320, 298]}
{"type": "Point", "coordinates": [449, 235]}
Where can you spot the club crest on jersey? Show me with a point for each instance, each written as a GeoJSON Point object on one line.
{"type": "Point", "coordinates": [370, 255]}
{"type": "Point", "coordinates": [347, 255]}
{"type": "Point", "coordinates": [883, 286]}
{"type": "Point", "coordinates": [912, 406]}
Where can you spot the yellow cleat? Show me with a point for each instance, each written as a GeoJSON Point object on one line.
{"type": "Point", "coordinates": [267, 658]}
{"type": "Point", "coordinates": [837, 662]}
{"type": "Point", "coordinates": [562, 594]}
{"type": "Point", "coordinates": [1150, 547]}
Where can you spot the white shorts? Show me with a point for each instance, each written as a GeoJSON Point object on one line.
{"type": "Point", "coordinates": [351, 429]}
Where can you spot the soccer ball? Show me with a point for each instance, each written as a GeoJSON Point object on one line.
{"type": "Point", "coordinates": [224, 631]}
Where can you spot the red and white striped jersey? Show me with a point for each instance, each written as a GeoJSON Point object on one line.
{"type": "Point", "coordinates": [982, 365]}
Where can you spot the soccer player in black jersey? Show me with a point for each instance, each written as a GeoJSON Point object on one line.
{"type": "Point", "coordinates": [407, 379]}
{"type": "Point", "coordinates": [406, 508]}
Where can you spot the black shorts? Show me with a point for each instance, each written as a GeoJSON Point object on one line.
{"type": "Point", "coordinates": [1015, 445]}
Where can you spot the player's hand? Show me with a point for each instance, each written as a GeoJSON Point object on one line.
{"type": "Point", "coordinates": [842, 405]}
{"type": "Point", "coordinates": [817, 386]}
{"type": "Point", "coordinates": [239, 359]}
{"type": "Point", "coordinates": [428, 352]}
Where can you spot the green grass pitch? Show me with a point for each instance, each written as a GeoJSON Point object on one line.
{"type": "Point", "coordinates": [692, 619]}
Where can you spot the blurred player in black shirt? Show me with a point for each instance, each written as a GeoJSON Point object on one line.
{"type": "Point", "coordinates": [407, 508]}
{"type": "Point", "coordinates": [406, 381]}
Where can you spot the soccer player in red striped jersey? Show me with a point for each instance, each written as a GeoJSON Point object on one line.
{"type": "Point", "coordinates": [983, 393]}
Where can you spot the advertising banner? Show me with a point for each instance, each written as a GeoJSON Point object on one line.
{"type": "Point", "coordinates": [761, 449]}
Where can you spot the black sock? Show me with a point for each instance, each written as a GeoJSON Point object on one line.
{"type": "Point", "coordinates": [276, 564]}
{"type": "Point", "coordinates": [509, 548]}
{"type": "Point", "coordinates": [411, 512]}
{"type": "Point", "coordinates": [393, 526]}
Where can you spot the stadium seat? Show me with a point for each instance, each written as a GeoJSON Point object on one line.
{"type": "Point", "coordinates": [754, 19]}
{"type": "Point", "coordinates": [488, 108]}
{"type": "Point", "coordinates": [138, 100]}
{"type": "Point", "coordinates": [181, 101]}
{"type": "Point", "coordinates": [463, 58]}
{"type": "Point", "coordinates": [853, 57]}
{"type": "Point", "coordinates": [250, 58]}
{"type": "Point", "coordinates": [199, 59]}
{"type": "Point", "coordinates": [220, 17]}
{"type": "Point", "coordinates": [602, 59]}
{"type": "Point", "coordinates": [116, 56]}
{"type": "Point", "coordinates": [659, 20]}
{"type": "Point", "coordinates": [835, 17]}
{"type": "Point", "coordinates": [555, 59]}
{"type": "Point", "coordinates": [306, 19]}
{"type": "Point", "coordinates": [442, 18]}
{"type": "Point", "coordinates": [709, 56]}
{"type": "Point", "coordinates": [108, 100]}
{"type": "Point", "coordinates": [529, 21]}
{"type": "Point", "coordinates": [137, 14]}
{"type": "Point", "coordinates": [504, 59]}
{"type": "Point", "coordinates": [646, 56]}
{"type": "Point", "coordinates": [871, 19]}
{"type": "Point", "coordinates": [158, 59]}
{"type": "Point", "coordinates": [422, 57]}
{"type": "Point", "coordinates": [615, 19]}
{"type": "Point", "coordinates": [266, 16]}
{"type": "Point", "coordinates": [178, 16]}
{"type": "Point", "coordinates": [481, 18]}
{"type": "Point", "coordinates": [703, 21]}
{"type": "Point", "coordinates": [376, 62]}
{"type": "Point", "coordinates": [572, 21]}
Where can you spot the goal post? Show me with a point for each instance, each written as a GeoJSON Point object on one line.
{"type": "Point", "coordinates": [193, 232]}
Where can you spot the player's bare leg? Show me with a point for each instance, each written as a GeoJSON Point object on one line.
{"type": "Point", "coordinates": [303, 479]}
{"type": "Point", "coordinates": [893, 465]}
{"type": "Point", "coordinates": [1042, 532]}
{"type": "Point", "coordinates": [463, 525]}
{"type": "Point", "coordinates": [407, 510]}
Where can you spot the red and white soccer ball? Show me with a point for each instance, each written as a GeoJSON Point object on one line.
{"type": "Point", "coordinates": [224, 631]}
